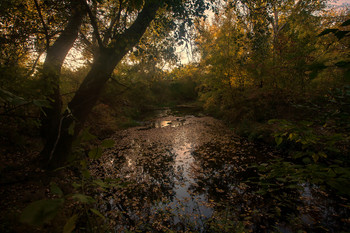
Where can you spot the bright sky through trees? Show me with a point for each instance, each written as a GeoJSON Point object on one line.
{"type": "Point", "coordinates": [185, 51]}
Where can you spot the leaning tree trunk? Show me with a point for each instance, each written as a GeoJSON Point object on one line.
{"type": "Point", "coordinates": [89, 91]}
{"type": "Point", "coordinates": [51, 74]}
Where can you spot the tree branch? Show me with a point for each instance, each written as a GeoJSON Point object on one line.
{"type": "Point", "coordinates": [119, 83]}
{"type": "Point", "coordinates": [34, 65]}
{"type": "Point", "coordinates": [90, 47]}
{"type": "Point", "coordinates": [94, 24]}
{"type": "Point", "coordinates": [85, 39]}
{"type": "Point", "coordinates": [114, 21]}
{"type": "Point", "coordinates": [133, 34]}
{"type": "Point", "coordinates": [46, 32]}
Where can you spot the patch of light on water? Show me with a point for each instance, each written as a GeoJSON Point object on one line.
{"type": "Point", "coordinates": [187, 204]}
{"type": "Point", "coordinates": [167, 123]}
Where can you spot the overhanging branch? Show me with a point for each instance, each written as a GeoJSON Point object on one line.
{"type": "Point", "coordinates": [94, 24]}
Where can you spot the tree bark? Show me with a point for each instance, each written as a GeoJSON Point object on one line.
{"type": "Point", "coordinates": [51, 74]}
{"type": "Point", "coordinates": [89, 91]}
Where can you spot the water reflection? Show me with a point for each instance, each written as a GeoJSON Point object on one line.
{"type": "Point", "coordinates": [185, 174]}
{"type": "Point", "coordinates": [173, 123]}
{"type": "Point", "coordinates": [187, 205]}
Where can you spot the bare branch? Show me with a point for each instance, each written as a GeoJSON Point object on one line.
{"type": "Point", "coordinates": [85, 39]}
{"type": "Point", "coordinates": [46, 32]}
{"type": "Point", "coordinates": [34, 65]}
{"type": "Point", "coordinates": [94, 24]}
{"type": "Point", "coordinates": [114, 21]}
{"type": "Point", "coordinates": [119, 83]}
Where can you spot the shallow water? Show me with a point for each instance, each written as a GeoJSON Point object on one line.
{"type": "Point", "coordinates": [184, 173]}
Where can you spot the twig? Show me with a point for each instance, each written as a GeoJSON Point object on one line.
{"type": "Point", "coordinates": [68, 93]}
{"type": "Point", "coordinates": [19, 116]}
{"type": "Point", "coordinates": [16, 107]}
{"type": "Point", "coordinates": [58, 137]}
{"type": "Point", "coordinates": [46, 32]}
{"type": "Point", "coordinates": [85, 39]}
{"type": "Point", "coordinates": [119, 83]}
{"type": "Point", "coordinates": [94, 24]}
{"type": "Point", "coordinates": [34, 65]}
{"type": "Point", "coordinates": [114, 21]}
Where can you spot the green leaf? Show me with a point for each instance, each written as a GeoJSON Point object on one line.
{"type": "Point", "coordinates": [101, 183]}
{"type": "Point", "coordinates": [41, 103]}
{"type": "Point", "coordinates": [95, 153]}
{"type": "Point", "coordinates": [76, 185]}
{"type": "Point", "coordinates": [322, 154]}
{"type": "Point", "coordinates": [40, 212]}
{"type": "Point", "coordinates": [293, 186]}
{"type": "Point", "coordinates": [315, 157]}
{"type": "Point", "coordinates": [281, 179]}
{"type": "Point", "coordinates": [339, 186]}
{"type": "Point", "coordinates": [261, 192]}
{"type": "Point", "coordinates": [83, 198]}
{"type": "Point", "coordinates": [306, 160]}
{"type": "Point", "coordinates": [95, 211]}
{"type": "Point", "coordinates": [298, 154]}
{"type": "Point", "coordinates": [293, 136]}
{"type": "Point", "coordinates": [11, 98]}
{"type": "Point", "coordinates": [86, 173]}
{"type": "Point", "coordinates": [55, 189]}
{"type": "Point", "coordinates": [278, 140]}
{"type": "Point", "coordinates": [108, 143]}
{"type": "Point", "coordinates": [70, 225]}
{"type": "Point", "coordinates": [83, 163]}
{"type": "Point", "coordinates": [71, 128]}
{"type": "Point", "coordinates": [87, 136]}
{"type": "Point", "coordinates": [18, 101]}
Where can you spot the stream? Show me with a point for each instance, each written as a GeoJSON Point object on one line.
{"type": "Point", "coordinates": [184, 173]}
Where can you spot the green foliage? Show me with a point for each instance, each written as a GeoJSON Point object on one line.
{"type": "Point", "coordinates": [288, 72]}
{"type": "Point", "coordinates": [82, 198]}
{"type": "Point", "coordinates": [316, 157]}
{"type": "Point", "coordinates": [95, 153]}
{"type": "Point", "coordinates": [44, 211]}
{"type": "Point", "coordinates": [70, 225]}
{"type": "Point", "coordinates": [108, 143]}
{"type": "Point", "coordinates": [40, 212]}
{"type": "Point", "coordinates": [55, 189]}
{"type": "Point", "coordinates": [95, 211]}
{"type": "Point", "coordinates": [281, 55]}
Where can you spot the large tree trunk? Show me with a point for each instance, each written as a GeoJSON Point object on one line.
{"type": "Point", "coordinates": [51, 74]}
{"type": "Point", "coordinates": [89, 91]}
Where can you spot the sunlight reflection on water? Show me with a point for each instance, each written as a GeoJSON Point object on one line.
{"type": "Point", "coordinates": [173, 124]}
{"type": "Point", "coordinates": [185, 202]}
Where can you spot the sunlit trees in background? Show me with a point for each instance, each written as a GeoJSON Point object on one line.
{"type": "Point", "coordinates": [270, 46]}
